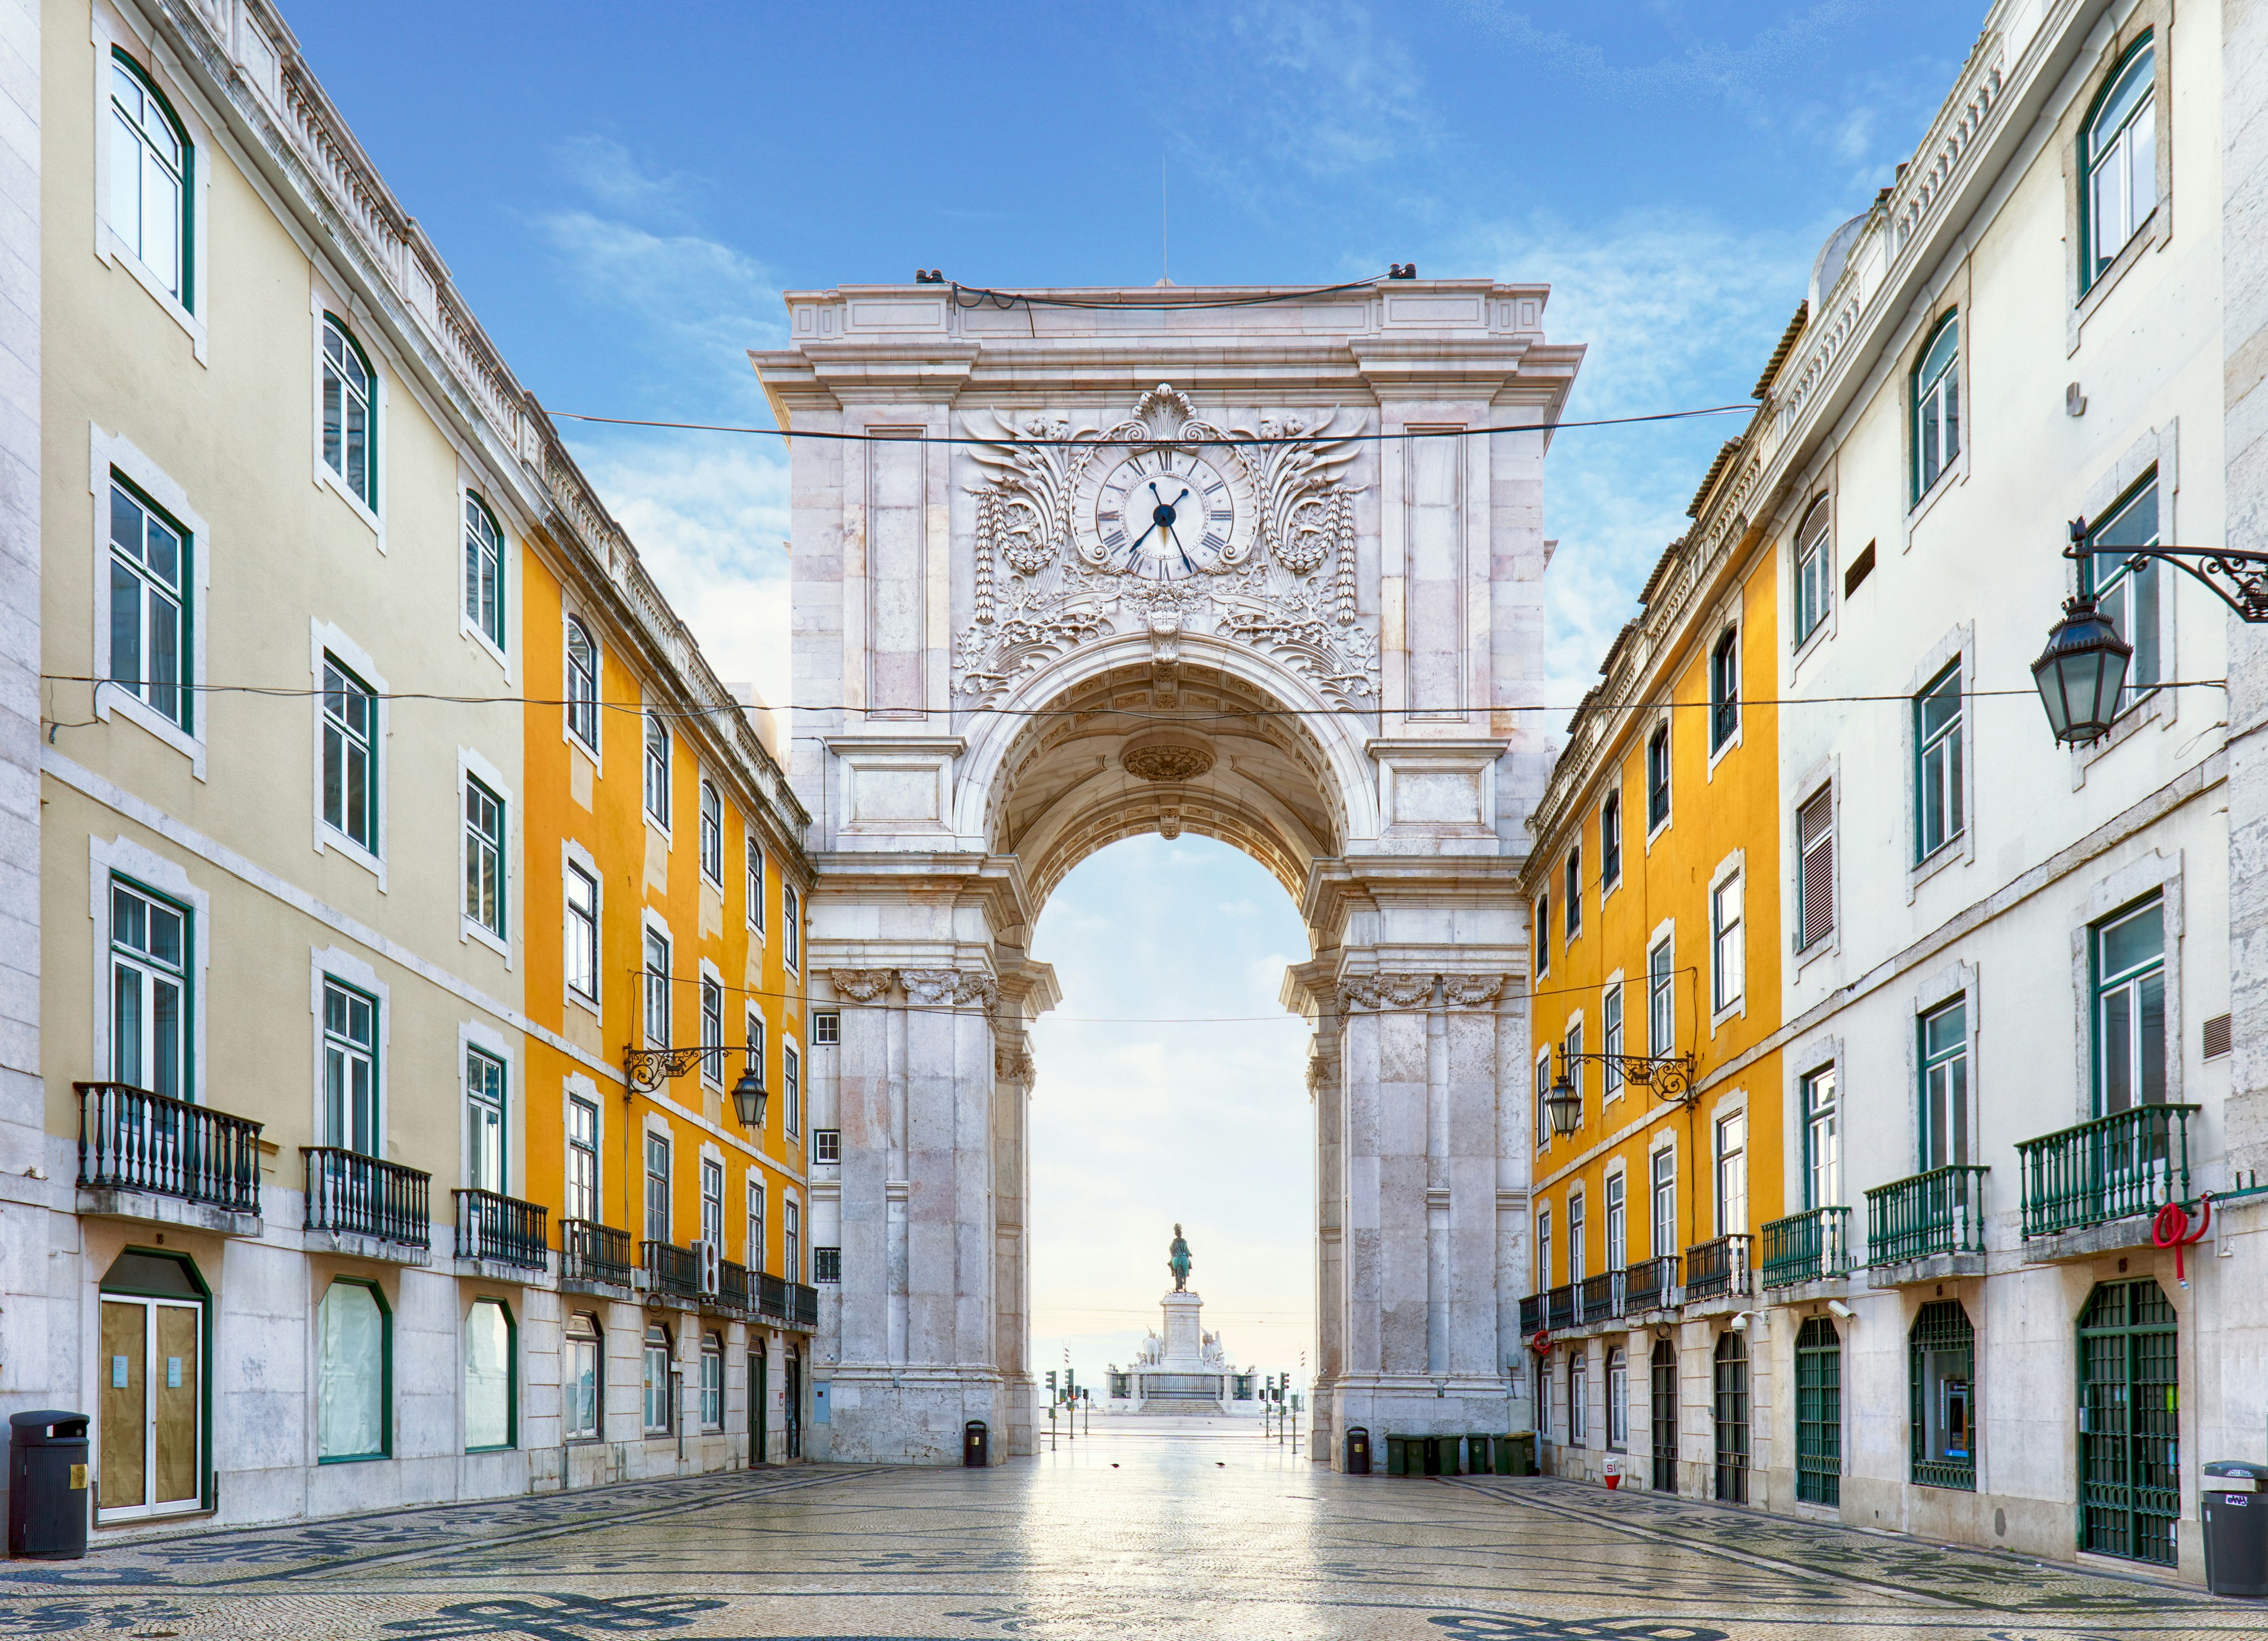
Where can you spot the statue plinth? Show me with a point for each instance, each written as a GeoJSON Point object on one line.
{"type": "Point", "coordinates": [1184, 1334]}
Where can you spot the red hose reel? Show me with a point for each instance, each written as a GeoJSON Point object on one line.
{"type": "Point", "coordinates": [2172, 1229]}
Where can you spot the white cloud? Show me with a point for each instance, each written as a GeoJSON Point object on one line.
{"type": "Point", "coordinates": [605, 171]}
{"type": "Point", "coordinates": [1751, 75]}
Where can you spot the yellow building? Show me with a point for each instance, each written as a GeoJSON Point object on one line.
{"type": "Point", "coordinates": [1659, 1140]}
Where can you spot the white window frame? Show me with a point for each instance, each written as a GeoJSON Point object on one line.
{"type": "Point", "coordinates": [757, 862]}
{"type": "Point", "coordinates": [1812, 542]}
{"type": "Point", "coordinates": [649, 719]}
{"type": "Point", "coordinates": [711, 1167]}
{"type": "Point", "coordinates": [793, 1236]}
{"type": "Point", "coordinates": [1613, 1194]}
{"type": "Point", "coordinates": [571, 618]}
{"type": "Point", "coordinates": [574, 858]}
{"type": "Point", "coordinates": [478, 1035]}
{"type": "Point", "coordinates": [473, 766]}
{"type": "Point", "coordinates": [108, 452]}
{"type": "Point", "coordinates": [791, 928]}
{"type": "Point", "coordinates": [1579, 1241]}
{"type": "Point", "coordinates": [712, 1395]}
{"type": "Point", "coordinates": [1665, 1146]}
{"type": "Point", "coordinates": [333, 963]}
{"type": "Point", "coordinates": [571, 1337]}
{"type": "Point", "coordinates": [791, 1089]}
{"type": "Point", "coordinates": [1665, 934]}
{"type": "Point", "coordinates": [653, 923]}
{"type": "Point", "coordinates": [753, 1247]}
{"type": "Point", "coordinates": [1733, 1109]}
{"type": "Point", "coordinates": [323, 307]}
{"type": "Point", "coordinates": [710, 989]}
{"type": "Point", "coordinates": [577, 1089]}
{"type": "Point", "coordinates": [112, 29]}
{"type": "Point", "coordinates": [1731, 870]}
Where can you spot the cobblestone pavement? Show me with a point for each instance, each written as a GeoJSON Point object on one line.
{"type": "Point", "coordinates": [1207, 1535]}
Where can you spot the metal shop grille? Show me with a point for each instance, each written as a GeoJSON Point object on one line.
{"type": "Point", "coordinates": [1819, 1413]}
{"type": "Point", "coordinates": [2128, 1423]}
{"type": "Point", "coordinates": [1731, 1418]}
{"type": "Point", "coordinates": [1665, 1417]}
{"type": "Point", "coordinates": [1942, 1371]}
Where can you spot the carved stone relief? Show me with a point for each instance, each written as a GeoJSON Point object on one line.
{"type": "Point", "coordinates": [1410, 991]}
{"type": "Point", "coordinates": [861, 985]}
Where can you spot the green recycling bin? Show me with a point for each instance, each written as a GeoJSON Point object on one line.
{"type": "Point", "coordinates": [1397, 1455]}
{"type": "Point", "coordinates": [1479, 1459]}
{"type": "Point", "coordinates": [1516, 1454]}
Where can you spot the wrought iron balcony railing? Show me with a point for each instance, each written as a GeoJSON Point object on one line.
{"type": "Point", "coordinates": [1651, 1284]}
{"type": "Point", "coordinates": [1531, 1315]}
{"type": "Point", "coordinates": [806, 1310]}
{"type": "Point", "coordinates": [1559, 1306]}
{"type": "Point", "coordinates": [1941, 1211]}
{"type": "Point", "coordinates": [670, 1269]}
{"type": "Point", "coordinates": [732, 1285]}
{"type": "Point", "coordinates": [1806, 1247]}
{"type": "Point", "coordinates": [590, 1252]}
{"type": "Point", "coordinates": [1717, 1267]}
{"type": "Point", "coordinates": [2134, 1162]}
{"type": "Point", "coordinates": [771, 1295]}
{"type": "Point", "coordinates": [130, 1139]}
{"type": "Point", "coordinates": [362, 1195]}
{"type": "Point", "coordinates": [503, 1230]}
{"type": "Point", "coordinates": [1599, 1298]}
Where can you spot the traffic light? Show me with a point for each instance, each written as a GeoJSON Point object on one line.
{"type": "Point", "coordinates": [1052, 1383]}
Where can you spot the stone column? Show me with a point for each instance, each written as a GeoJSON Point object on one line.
{"type": "Point", "coordinates": [1310, 990]}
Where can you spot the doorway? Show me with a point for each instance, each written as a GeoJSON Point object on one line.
{"type": "Point", "coordinates": [759, 1407]}
{"type": "Point", "coordinates": [2129, 1428]}
{"type": "Point", "coordinates": [1819, 1412]}
{"type": "Point", "coordinates": [1732, 1417]}
{"type": "Point", "coordinates": [150, 1400]}
{"type": "Point", "coordinates": [1665, 1417]}
{"type": "Point", "coordinates": [794, 1421]}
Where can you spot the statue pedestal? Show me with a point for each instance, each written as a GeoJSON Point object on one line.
{"type": "Point", "coordinates": [1184, 1334]}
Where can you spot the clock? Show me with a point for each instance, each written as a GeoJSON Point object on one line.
{"type": "Point", "coordinates": [1166, 513]}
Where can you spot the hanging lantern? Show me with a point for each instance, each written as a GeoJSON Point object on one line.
{"type": "Point", "coordinates": [2082, 673]}
{"type": "Point", "coordinates": [748, 1100]}
{"type": "Point", "coordinates": [1563, 1105]}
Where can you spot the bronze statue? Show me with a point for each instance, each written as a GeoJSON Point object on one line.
{"type": "Point", "coordinates": [1179, 1264]}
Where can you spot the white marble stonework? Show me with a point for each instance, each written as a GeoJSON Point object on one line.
{"type": "Point", "coordinates": [1005, 671]}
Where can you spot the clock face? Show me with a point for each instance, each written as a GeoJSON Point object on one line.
{"type": "Point", "coordinates": [1165, 513]}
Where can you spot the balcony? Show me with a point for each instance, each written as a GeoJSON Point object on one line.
{"type": "Point", "coordinates": [144, 1156]}
{"type": "Point", "coordinates": [1717, 1269]}
{"type": "Point", "coordinates": [671, 1271]}
{"type": "Point", "coordinates": [498, 1230]}
{"type": "Point", "coordinates": [592, 1257]}
{"type": "Point", "coordinates": [368, 1206]}
{"type": "Point", "coordinates": [2115, 1167]}
{"type": "Point", "coordinates": [1650, 1285]}
{"type": "Point", "coordinates": [732, 1286]}
{"type": "Point", "coordinates": [1559, 1307]}
{"type": "Point", "coordinates": [1809, 1246]}
{"type": "Point", "coordinates": [805, 1305]}
{"type": "Point", "coordinates": [1531, 1315]}
{"type": "Point", "coordinates": [1928, 1227]}
{"type": "Point", "coordinates": [772, 1295]}
{"type": "Point", "coordinates": [1599, 1298]}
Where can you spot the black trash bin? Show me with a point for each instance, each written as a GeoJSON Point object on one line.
{"type": "Point", "coordinates": [46, 1485]}
{"type": "Point", "coordinates": [2232, 1502]}
{"type": "Point", "coordinates": [976, 1444]}
{"type": "Point", "coordinates": [1358, 1451]}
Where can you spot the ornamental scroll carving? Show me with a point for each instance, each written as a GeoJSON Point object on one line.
{"type": "Point", "coordinates": [1045, 583]}
{"type": "Point", "coordinates": [1411, 991]}
{"type": "Point", "coordinates": [861, 985]}
{"type": "Point", "coordinates": [948, 988]}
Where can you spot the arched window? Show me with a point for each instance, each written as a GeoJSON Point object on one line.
{"type": "Point", "coordinates": [152, 164]}
{"type": "Point", "coordinates": [656, 1399]}
{"type": "Point", "coordinates": [483, 570]}
{"type": "Point", "coordinates": [1732, 1417]}
{"type": "Point", "coordinates": [712, 834]}
{"type": "Point", "coordinates": [1574, 911]}
{"type": "Point", "coordinates": [1819, 1412]}
{"type": "Point", "coordinates": [1610, 841]}
{"type": "Point", "coordinates": [2119, 159]}
{"type": "Point", "coordinates": [712, 1383]}
{"type": "Point", "coordinates": [1542, 934]}
{"type": "Point", "coordinates": [1811, 571]}
{"type": "Point", "coordinates": [1725, 689]}
{"type": "Point", "coordinates": [1937, 406]}
{"type": "Point", "coordinates": [354, 1372]}
{"type": "Point", "coordinates": [657, 770]}
{"type": "Point", "coordinates": [1941, 1379]}
{"type": "Point", "coordinates": [582, 685]}
{"type": "Point", "coordinates": [350, 413]}
{"type": "Point", "coordinates": [586, 1377]}
{"type": "Point", "coordinates": [1657, 778]}
{"type": "Point", "coordinates": [2129, 1426]}
{"type": "Point", "coordinates": [492, 1377]}
{"type": "Point", "coordinates": [1617, 1399]}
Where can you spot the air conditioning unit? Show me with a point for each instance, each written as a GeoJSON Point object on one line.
{"type": "Point", "coordinates": [707, 1254]}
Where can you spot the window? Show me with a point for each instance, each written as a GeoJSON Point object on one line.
{"type": "Point", "coordinates": [712, 1383]}
{"type": "Point", "coordinates": [1733, 1174]}
{"type": "Point", "coordinates": [755, 1057]}
{"type": "Point", "coordinates": [1660, 996]}
{"type": "Point", "coordinates": [826, 1144]}
{"type": "Point", "coordinates": [1814, 868]}
{"type": "Point", "coordinates": [350, 413]}
{"type": "Point", "coordinates": [1941, 1378]}
{"type": "Point", "coordinates": [1945, 1085]}
{"type": "Point", "coordinates": [149, 605]}
{"type": "Point", "coordinates": [657, 1189]}
{"type": "Point", "coordinates": [657, 989]}
{"type": "Point", "coordinates": [2125, 589]}
{"type": "Point", "coordinates": [1823, 1141]}
{"type": "Point", "coordinates": [586, 1368]}
{"type": "Point", "coordinates": [1574, 892]}
{"type": "Point", "coordinates": [1728, 963]}
{"type": "Point", "coordinates": [1617, 1228]}
{"type": "Point", "coordinates": [1543, 1089]}
{"type": "Point", "coordinates": [350, 756]}
{"type": "Point", "coordinates": [1813, 587]}
{"type": "Point", "coordinates": [1665, 1202]}
{"type": "Point", "coordinates": [1543, 1250]}
{"type": "Point", "coordinates": [484, 857]}
{"type": "Point", "coordinates": [1657, 778]}
{"type": "Point", "coordinates": [756, 885]}
{"type": "Point", "coordinates": [712, 834]}
{"type": "Point", "coordinates": [792, 1240]}
{"type": "Point", "coordinates": [791, 1087]}
{"type": "Point", "coordinates": [657, 770]}
{"type": "Point", "coordinates": [582, 685]}
{"type": "Point", "coordinates": [582, 1158]}
{"type": "Point", "coordinates": [353, 1373]}
{"type": "Point", "coordinates": [1543, 934]}
{"type": "Point", "coordinates": [826, 1266]}
{"type": "Point", "coordinates": [1724, 690]}
{"type": "Point", "coordinates": [1731, 1417]}
{"type": "Point", "coordinates": [152, 165]}
{"type": "Point", "coordinates": [826, 1028]}
{"type": "Point", "coordinates": [1819, 1412]}
{"type": "Point", "coordinates": [490, 1392]}
{"type": "Point", "coordinates": [790, 926]}
{"type": "Point", "coordinates": [1937, 406]}
{"type": "Point", "coordinates": [1611, 1040]}
{"type": "Point", "coordinates": [483, 570]}
{"type": "Point", "coordinates": [1617, 1399]}
{"type": "Point", "coordinates": [755, 1251]}
{"type": "Point", "coordinates": [712, 1030]}
{"type": "Point", "coordinates": [1570, 1051]}
{"type": "Point", "coordinates": [582, 932]}
{"type": "Point", "coordinates": [1578, 1261]}
{"type": "Point", "coordinates": [1937, 734]}
{"type": "Point", "coordinates": [349, 1068]}
{"type": "Point", "coordinates": [2118, 157]}
{"type": "Point", "coordinates": [149, 992]}
{"type": "Point", "coordinates": [1610, 841]}
{"type": "Point", "coordinates": [1579, 1398]}
{"type": "Point", "coordinates": [484, 1137]}
{"type": "Point", "coordinates": [2130, 1009]}
{"type": "Point", "coordinates": [655, 1402]}
{"type": "Point", "coordinates": [712, 1203]}
{"type": "Point", "coordinates": [1543, 1399]}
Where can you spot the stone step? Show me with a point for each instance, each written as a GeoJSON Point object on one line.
{"type": "Point", "coordinates": [1181, 1410]}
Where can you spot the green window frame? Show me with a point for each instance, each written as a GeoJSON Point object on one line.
{"type": "Point", "coordinates": [350, 412]}
{"type": "Point", "coordinates": [151, 1273]}
{"type": "Point", "coordinates": [1731, 1417]}
{"type": "Point", "coordinates": [2129, 1501]}
{"type": "Point", "coordinates": [492, 1377]}
{"type": "Point", "coordinates": [1936, 400]}
{"type": "Point", "coordinates": [1822, 1140]}
{"type": "Point", "coordinates": [152, 998]}
{"type": "Point", "coordinates": [2131, 590]}
{"type": "Point", "coordinates": [152, 211]}
{"type": "Point", "coordinates": [352, 1119]}
{"type": "Point", "coordinates": [712, 834]}
{"type": "Point", "coordinates": [152, 560]}
{"type": "Point", "coordinates": [1941, 1367]}
{"type": "Point", "coordinates": [2118, 161]}
{"type": "Point", "coordinates": [350, 752]}
{"type": "Point", "coordinates": [1725, 689]}
{"type": "Point", "coordinates": [2127, 956]}
{"type": "Point", "coordinates": [1813, 588]}
{"type": "Point", "coordinates": [484, 571]}
{"type": "Point", "coordinates": [657, 770]}
{"type": "Point", "coordinates": [338, 1426]}
{"type": "Point", "coordinates": [1819, 1412]}
{"type": "Point", "coordinates": [1542, 934]}
{"type": "Point", "coordinates": [1610, 841]}
{"type": "Point", "coordinates": [1657, 779]}
{"type": "Point", "coordinates": [1944, 1137]}
{"type": "Point", "coordinates": [484, 863]}
{"type": "Point", "coordinates": [1939, 793]}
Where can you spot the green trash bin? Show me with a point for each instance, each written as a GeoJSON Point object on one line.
{"type": "Point", "coordinates": [1479, 1459]}
{"type": "Point", "coordinates": [1521, 1450]}
{"type": "Point", "coordinates": [1397, 1455]}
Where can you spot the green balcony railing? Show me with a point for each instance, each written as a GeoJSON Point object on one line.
{"type": "Point", "coordinates": [1941, 1211]}
{"type": "Point", "coordinates": [1806, 1247]}
{"type": "Point", "coordinates": [2134, 1162]}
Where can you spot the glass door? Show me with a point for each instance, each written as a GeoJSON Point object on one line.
{"type": "Point", "coordinates": [760, 1401]}
{"type": "Point", "coordinates": [151, 1407]}
{"type": "Point", "coordinates": [1665, 1417]}
{"type": "Point", "coordinates": [794, 1420]}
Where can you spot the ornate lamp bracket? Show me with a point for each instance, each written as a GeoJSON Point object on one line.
{"type": "Point", "coordinates": [1669, 1077]}
{"type": "Point", "coordinates": [2238, 579]}
{"type": "Point", "coordinates": [648, 1068]}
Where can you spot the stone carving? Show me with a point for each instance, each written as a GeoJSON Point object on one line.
{"type": "Point", "coordinates": [861, 985]}
{"type": "Point", "coordinates": [1169, 821]}
{"type": "Point", "coordinates": [1045, 584]}
{"type": "Point", "coordinates": [1382, 992]}
{"type": "Point", "coordinates": [979, 988]}
{"type": "Point", "coordinates": [1167, 761]}
{"type": "Point", "coordinates": [1469, 991]}
{"type": "Point", "coordinates": [930, 988]}
{"type": "Point", "coordinates": [1013, 1064]}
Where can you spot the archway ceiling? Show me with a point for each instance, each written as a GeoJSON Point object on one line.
{"type": "Point", "coordinates": [1063, 792]}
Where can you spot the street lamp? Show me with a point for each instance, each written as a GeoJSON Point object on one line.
{"type": "Point", "coordinates": [2082, 673]}
{"type": "Point", "coordinates": [1563, 1104]}
{"type": "Point", "coordinates": [748, 1098]}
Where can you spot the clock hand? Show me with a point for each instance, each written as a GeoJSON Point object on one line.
{"type": "Point", "coordinates": [1178, 548]}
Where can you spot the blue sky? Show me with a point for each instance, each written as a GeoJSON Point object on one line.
{"type": "Point", "coordinates": [621, 193]}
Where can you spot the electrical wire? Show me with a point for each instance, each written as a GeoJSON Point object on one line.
{"type": "Point", "coordinates": [1007, 299]}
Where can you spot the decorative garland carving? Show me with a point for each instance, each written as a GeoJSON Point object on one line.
{"type": "Point", "coordinates": [1410, 991]}
{"type": "Point", "coordinates": [861, 985]}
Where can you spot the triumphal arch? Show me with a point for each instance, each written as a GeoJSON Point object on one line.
{"type": "Point", "coordinates": [1102, 562]}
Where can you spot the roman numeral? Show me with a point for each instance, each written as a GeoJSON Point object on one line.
{"type": "Point", "coordinates": [1113, 539]}
{"type": "Point", "coordinates": [1221, 515]}
{"type": "Point", "coordinates": [1214, 543]}
{"type": "Point", "coordinates": [1215, 488]}
{"type": "Point", "coordinates": [1110, 517]}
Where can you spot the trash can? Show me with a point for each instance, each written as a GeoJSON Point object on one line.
{"type": "Point", "coordinates": [1397, 1455]}
{"type": "Point", "coordinates": [46, 1485]}
{"type": "Point", "coordinates": [1441, 1455]}
{"type": "Point", "coordinates": [2232, 1502]}
{"type": "Point", "coordinates": [1478, 1459]}
{"type": "Point", "coordinates": [1520, 1450]}
{"type": "Point", "coordinates": [1358, 1451]}
{"type": "Point", "coordinates": [976, 1444]}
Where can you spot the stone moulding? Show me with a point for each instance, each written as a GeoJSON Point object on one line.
{"type": "Point", "coordinates": [1380, 992]}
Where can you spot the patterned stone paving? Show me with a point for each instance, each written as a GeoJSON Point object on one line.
{"type": "Point", "coordinates": [1206, 1533]}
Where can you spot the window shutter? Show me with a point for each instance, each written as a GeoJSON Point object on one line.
{"type": "Point", "coordinates": [1816, 868]}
